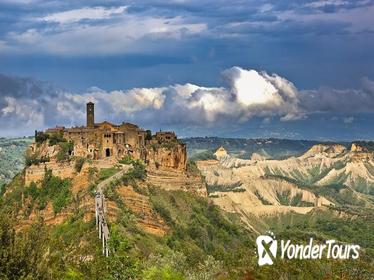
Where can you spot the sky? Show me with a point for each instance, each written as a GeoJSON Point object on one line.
{"type": "Point", "coordinates": [299, 69]}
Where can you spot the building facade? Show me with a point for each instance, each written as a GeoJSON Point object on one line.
{"type": "Point", "coordinates": [102, 140]}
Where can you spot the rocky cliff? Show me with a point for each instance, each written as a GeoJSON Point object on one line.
{"type": "Point", "coordinates": [169, 156]}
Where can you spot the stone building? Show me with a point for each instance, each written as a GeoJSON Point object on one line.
{"type": "Point", "coordinates": [166, 136]}
{"type": "Point", "coordinates": [101, 140]}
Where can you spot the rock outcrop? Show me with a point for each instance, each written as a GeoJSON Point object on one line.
{"type": "Point", "coordinates": [176, 180]}
{"type": "Point", "coordinates": [140, 205]}
{"type": "Point", "coordinates": [357, 148]}
{"type": "Point", "coordinates": [327, 150]}
{"type": "Point", "coordinates": [220, 153]}
{"type": "Point", "coordinates": [171, 156]}
{"type": "Point", "coordinates": [256, 156]}
{"type": "Point", "coordinates": [43, 150]}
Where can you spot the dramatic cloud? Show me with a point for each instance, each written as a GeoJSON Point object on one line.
{"type": "Point", "coordinates": [249, 93]}
{"type": "Point", "coordinates": [27, 105]}
{"type": "Point", "coordinates": [157, 43]}
{"type": "Point", "coordinates": [76, 15]}
{"type": "Point", "coordinates": [85, 27]}
{"type": "Point", "coordinates": [97, 30]}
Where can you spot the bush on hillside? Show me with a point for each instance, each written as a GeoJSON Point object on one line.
{"type": "Point", "coordinates": [52, 189]}
{"type": "Point", "coordinates": [66, 149]}
{"type": "Point", "coordinates": [56, 138]}
{"type": "Point", "coordinates": [79, 164]}
{"type": "Point", "coordinates": [41, 137]}
{"type": "Point", "coordinates": [126, 160]}
{"type": "Point", "coordinates": [137, 172]}
{"type": "Point", "coordinates": [33, 159]}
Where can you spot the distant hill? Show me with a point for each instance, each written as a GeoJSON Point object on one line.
{"type": "Point", "coordinates": [11, 157]}
{"type": "Point", "coordinates": [244, 148]}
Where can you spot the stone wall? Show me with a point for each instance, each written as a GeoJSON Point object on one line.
{"type": "Point", "coordinates": [36, 172]}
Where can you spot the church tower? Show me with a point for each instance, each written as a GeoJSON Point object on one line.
{"type": "Point", "coordinates": [90, 114]}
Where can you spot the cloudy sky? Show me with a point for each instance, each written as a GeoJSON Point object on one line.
{"type": "Point", "coordinates": [300, 69]}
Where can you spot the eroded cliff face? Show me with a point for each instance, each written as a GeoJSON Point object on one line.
{"type": "Point", "coordinates": [325, 150]}
{"type": "Point", "coordinates": [143, 213]}
{"type": "Point", "coordinates": [43, 150]}
{"type": "Point", "coordinates": [173, 156]}
{"type": "Point", "coordinates": [259, 187]}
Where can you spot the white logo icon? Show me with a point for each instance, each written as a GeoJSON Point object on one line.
{"type": "Point", "coordinates": [266, 249]}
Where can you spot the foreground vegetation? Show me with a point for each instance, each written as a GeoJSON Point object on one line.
{"type": "Point", "coordinates": [202, 242]}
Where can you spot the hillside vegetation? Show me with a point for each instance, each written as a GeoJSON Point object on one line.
{"type": "Point", "coordinates": [11, 157]}
{"type": "Point", "coordinates": [47, 227]}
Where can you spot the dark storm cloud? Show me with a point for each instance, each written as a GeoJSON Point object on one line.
{"type": "Point", "coordinates": [43, 26]}
{"type": "Point", "coordinates": [151, 45]}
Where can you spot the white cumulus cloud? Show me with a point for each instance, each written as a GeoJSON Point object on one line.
{"type": "Point", "coordinates": [249, 93]}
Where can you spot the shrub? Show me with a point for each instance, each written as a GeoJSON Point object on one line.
{"type": "Point", "coordinates": [79, 164]}
{"type": "Point", "coordinates": [32, 158]}
{"type": "Point", "coordinates": [56, 138]}
{"type": "Point", "coordinates": [148, 135]}
{"type": "Point", "coordinates": [234, 187]}
{"type": "Point", "coordinates": [167, 273]}
{"type": "Point", "coordinates": [91, 173]}
{"type": "Point", "coordinates": [137, 172]}
{"type": "Point", "coordinates": [91, 189]}
{"type": "Point", "coordinates": [192, 168]}
{"type": "Point", "coordinates": [169, 145]}
{"type": "Point", "coordinates": [52, 189]}
{"type": "Point", "coordinates": [66, 148]}
{"type": "Point", "coordinates": [40, 137]}
{"type": "Point", "coordinates": [163, 211]}
{"type": "Point", "coordinates": [61, 200]}
{"type": "Point", "coordinates": [32, 191]}
{"type": "Point", "coordinates": [126, 160]}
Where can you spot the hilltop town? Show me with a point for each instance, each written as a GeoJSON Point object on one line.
{"type": "Point", "coordinates": [103, 143]}
{"type": "Point", "coordinates": [94, 158]}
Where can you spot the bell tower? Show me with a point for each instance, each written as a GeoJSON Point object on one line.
{"type": "Point", "coordinates": [90, 114]}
